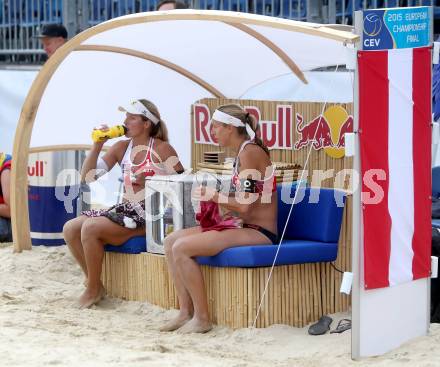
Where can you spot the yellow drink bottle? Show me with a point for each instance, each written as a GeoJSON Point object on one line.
{"type": "Point", "coordinates": [112, 132]}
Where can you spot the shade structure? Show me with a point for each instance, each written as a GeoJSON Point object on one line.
{"type": "Point", "coordinates": [323, 86]}
{"type": "Point", "coordinates": [171, 58]}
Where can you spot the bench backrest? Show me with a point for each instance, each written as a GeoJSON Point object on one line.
{"type": "Point", "coordinates": [317, 217]}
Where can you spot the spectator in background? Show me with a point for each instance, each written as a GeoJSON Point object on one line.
{"type": "Point", "coordinates": [52, 36]}
{"type": "Point", "coordinates": [171, 5]}
{"type": "Point", "coordinates": [5, 210]}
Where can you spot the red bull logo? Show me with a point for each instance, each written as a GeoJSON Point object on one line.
{"type": "Point", "coordinates": [36, 170]}
{"type": "Point", "coordinates": [276, 134]}
{"type": "Point", "coordinates": [326, 131]}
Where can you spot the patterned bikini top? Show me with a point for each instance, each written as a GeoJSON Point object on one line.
{"type": "Point", "coordinates": [148, 168]}
{"type": "Point", "coordinates": [268, 185]}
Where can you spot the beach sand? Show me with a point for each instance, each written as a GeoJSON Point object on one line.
{"type": "Point", "coordinates": [40, 326]}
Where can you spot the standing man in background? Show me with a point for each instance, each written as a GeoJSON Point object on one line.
{"type": "Point", "coordinates": [52, 36]}
{"type": "Point", "coordinates": [5, 210]}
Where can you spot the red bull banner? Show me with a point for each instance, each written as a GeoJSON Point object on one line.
{"type": "Point", "coordinates": [288, 127]}
{"type": "Point", "coordinates": [276, 133]}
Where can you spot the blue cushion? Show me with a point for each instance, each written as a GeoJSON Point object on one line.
{"type": "Point", "coordinates": [317, 217]}
{"type": "Point", "coordinates": [291, 252]}
{"type": "Point", "coordinates": [134, 245]}
{"type": "Point", "coordinates": [312, 234]}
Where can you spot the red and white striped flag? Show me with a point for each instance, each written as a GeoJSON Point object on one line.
{"type": "Point", "coordinates": [395, 137]}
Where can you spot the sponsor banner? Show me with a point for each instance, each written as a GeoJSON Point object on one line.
{"type": "Point", "coordinates": [385, 29]}
{"type": "Point", "coordinates": [50, 169]}
{"type": "Point", "coordinates": [48, 213]}
{"type": "Point", "coordinates": [288, 128]}
{"type": "Point", "coordinates": [52, 194]}
{"type": "Point", "coordinates": [275, 133]}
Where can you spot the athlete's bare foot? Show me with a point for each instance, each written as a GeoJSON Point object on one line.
{"type": "Point", "coordinates": [195, 326]}
{"type": "Point", "coordinates": [86, 284]}
{"type": "Point", "coordinates": [88, 298]}
{"type": "Point", "coordinates": [176, 323]}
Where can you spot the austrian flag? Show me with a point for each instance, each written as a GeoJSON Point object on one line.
{"type": "Point", "coordinates": [395, 147]}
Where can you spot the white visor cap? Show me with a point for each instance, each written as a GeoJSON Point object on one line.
{"type": "Point", "coordinates": [231, 120]}
{"type": "Point", "coordinates": [138, 108]}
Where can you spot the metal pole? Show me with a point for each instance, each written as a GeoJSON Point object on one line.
{"type": "Point", "coordinates": [68, 17]}
{"type": "Point", "coordinates": [83, 15]}
{"type": "Point", "coordinates": [313, 11]}
{"type": "Point", "coordinates": [431, 40]}
{"type": "Point", "coordinates": [356, 239]}
{"type": "Point", "coordinates": [332, 11]}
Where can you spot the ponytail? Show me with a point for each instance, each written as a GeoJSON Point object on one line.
{"type": "Point", "coordinates": [158, 130]}
{"type": "Point", "coordinates": [252, 122]}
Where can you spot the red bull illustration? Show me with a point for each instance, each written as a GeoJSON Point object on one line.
{"type": "Point", "coordinates": [347, 127]}
{"type": "Point", "coordinates": [316, 132]}
{"type": "Point", "coordinates": [326, 131]}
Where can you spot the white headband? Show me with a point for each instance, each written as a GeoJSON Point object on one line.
{"type": "Point", "coordinates": [231, 120]}
{"type": "Point", "coordinates": [138, 108]}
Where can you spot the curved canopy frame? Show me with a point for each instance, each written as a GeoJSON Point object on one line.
{"type": "Point", "coordinates": [156, 60]}
{"type": "Point", "coordinates": [263, 30]}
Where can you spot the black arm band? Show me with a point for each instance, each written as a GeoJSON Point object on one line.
{"type": "Point", "coordinates": [248, 185]}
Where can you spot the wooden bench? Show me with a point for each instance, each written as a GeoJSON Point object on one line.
{"type": "Point", "coordinates": [303, 287]}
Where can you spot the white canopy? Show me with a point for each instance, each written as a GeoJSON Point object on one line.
{"type": "Point", "coordinates": [323, 86]}
{"type": "Point", "coordinates": [173, 59]}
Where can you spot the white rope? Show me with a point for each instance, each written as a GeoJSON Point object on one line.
{"type": "Point", "coordinates": [288, 218]}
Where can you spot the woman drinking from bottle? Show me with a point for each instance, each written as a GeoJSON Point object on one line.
{"type": "Point", "coordinates": [145, 154]}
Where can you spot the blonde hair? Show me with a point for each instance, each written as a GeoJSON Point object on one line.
{"type": "Point", "coordinates": [239, 112]}
{"type": "Point", "coordinates": [158, 130]}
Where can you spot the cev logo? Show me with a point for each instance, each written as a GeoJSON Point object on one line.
{"type": "Point", "coordinates": [372, 25]}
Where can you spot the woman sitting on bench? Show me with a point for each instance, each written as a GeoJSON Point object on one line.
{"type": "Point", "coordinates": [145, 154]}
{"type": "Point", "coordinates": [251, 219]}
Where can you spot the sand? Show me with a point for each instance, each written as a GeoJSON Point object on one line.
{"type": "Point", "coordinates": [40, 326]}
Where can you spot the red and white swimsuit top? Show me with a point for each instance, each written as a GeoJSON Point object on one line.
{"type": "Point", "coordinates": [148, 168]}
{"type": "Point", "coordinates": [267, 185]}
